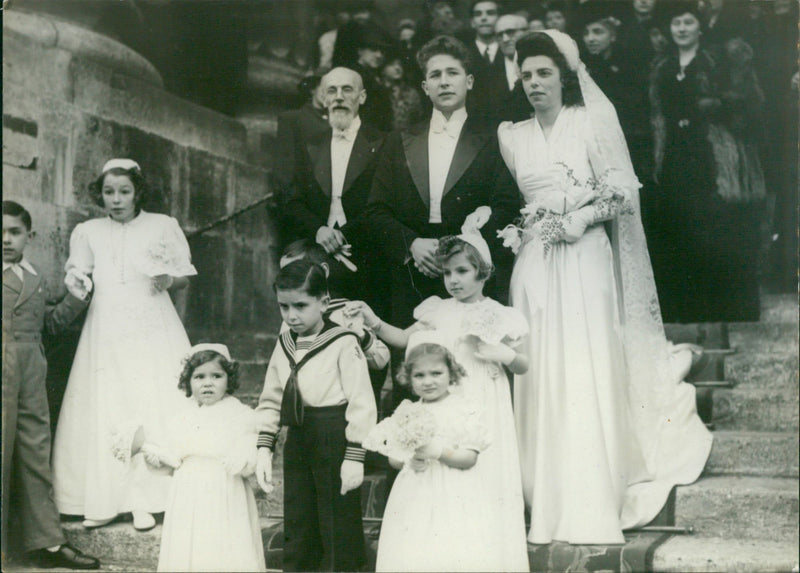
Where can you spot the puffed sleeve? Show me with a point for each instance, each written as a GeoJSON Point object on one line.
{"type": "Point", "coordinates": [505, 138]}
{"type": "Point", "coordinates": [181, 255]}
{"type": "Point", "coordinates": [427, 310]}
{"type": "Point", "coordinates": [81, 257]}
{"type": "Point", "coordinates": [474, 434]}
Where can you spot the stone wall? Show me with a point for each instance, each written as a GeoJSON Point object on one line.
{"type": "Point", "coordinates": [73, 99]}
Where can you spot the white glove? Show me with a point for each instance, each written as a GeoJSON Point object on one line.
{"type": "Point", "coordinates": [352, 474]}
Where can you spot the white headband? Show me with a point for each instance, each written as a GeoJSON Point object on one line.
{"type": "Point", "coordinates": [426, 337]}
{"type": "Point", "coordinates": [220, 349]}
{"type": "Point", "coordinates": [126, 164]}
{"type": "Point", "coordinates": [567, 46]}
{"type": "Point", "coordinates": [471, 232]}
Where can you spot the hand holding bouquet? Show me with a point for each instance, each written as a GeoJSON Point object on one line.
{"type": "Point", "coordinates": [410, 428]}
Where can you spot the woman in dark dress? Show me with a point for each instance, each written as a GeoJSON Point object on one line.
{"type": "Point", "coordinates": [704, 247]}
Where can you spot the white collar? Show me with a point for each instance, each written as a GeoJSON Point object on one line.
{"type": "Point", "coordinates": [483, 45]}
{"type": "Point", "coordinates": [350, 133]}
{"type": "Point", "coordinates": [456, 120]}
{"type": "Point", "coordinates": [23, 263]}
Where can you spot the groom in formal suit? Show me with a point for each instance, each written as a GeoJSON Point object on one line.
{"type": "Point", "coordinates": [332, 180]}
{"type": "Point", "coordinates": [430, 177]}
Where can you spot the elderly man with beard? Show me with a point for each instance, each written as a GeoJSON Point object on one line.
{"type": "Point", "coordinates": [332, 180]}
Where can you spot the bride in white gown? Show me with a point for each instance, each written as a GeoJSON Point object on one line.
{"type": "Point", "coordinates": [605, 425]}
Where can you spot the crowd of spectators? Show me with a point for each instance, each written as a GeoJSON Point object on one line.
{"type": "Point", "coordinates": [751, 45]}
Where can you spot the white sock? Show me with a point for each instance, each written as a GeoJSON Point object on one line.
{"type": "Point", "coordinates": [54, 548]}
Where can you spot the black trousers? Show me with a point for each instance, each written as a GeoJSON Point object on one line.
{"type": "Point", "coordinates": [323, 529]}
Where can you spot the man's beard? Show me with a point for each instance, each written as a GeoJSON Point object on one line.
{"type": "Point", "coordinates": [340, 118]}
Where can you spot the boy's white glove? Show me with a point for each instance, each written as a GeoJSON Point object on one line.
{"type": "Point", "coordinates": [78, 284]}
{"type": "Point", "coordinates": [352, 474]}
{"type": "Point", "coordinates": [264, 469]}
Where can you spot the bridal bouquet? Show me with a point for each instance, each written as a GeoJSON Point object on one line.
{"type": "Point", "coordinates": [546, 225]}
{"type": "Point", "coordinates": [410, 427]}
{"type": "Point", "coordinates": [163, 257]}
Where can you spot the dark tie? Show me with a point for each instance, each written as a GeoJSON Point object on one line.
{"type": "Point", "coordinates": [486, 56]}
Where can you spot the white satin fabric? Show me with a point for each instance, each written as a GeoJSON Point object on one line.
{"type": "Point", "coordinates": [591, 465]}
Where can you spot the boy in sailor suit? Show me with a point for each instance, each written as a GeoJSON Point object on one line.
{"type": "Point", "coordinates": [317, 384]}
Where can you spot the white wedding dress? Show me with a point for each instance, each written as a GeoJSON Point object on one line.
{"type": "Point", "coordinates": [581, 446]}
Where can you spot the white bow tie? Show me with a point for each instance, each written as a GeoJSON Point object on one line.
{"type": "Point", "coordinates": [346, 135]}
{"type": "Point", "coordinates": [446, 127]}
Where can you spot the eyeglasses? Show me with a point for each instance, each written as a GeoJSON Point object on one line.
{"type": "Point", "coordinates": [510, 31]}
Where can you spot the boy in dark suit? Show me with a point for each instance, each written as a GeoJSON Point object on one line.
{"type": "Point", "coordinates": [27, 484]}
{"type": "Point", "coordinates": [430, 177]}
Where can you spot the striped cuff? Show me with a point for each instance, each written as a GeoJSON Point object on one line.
{"type": "Point", "coordinates": [266, 440]}
{"type": "Point", "coordinates": [367, 341]}
{"type": "Point", "coordinates": [355, 453]}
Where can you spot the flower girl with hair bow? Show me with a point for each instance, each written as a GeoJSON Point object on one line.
{"type": "Point", "coordinates": [486, 338]}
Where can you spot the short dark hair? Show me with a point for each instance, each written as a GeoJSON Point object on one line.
{"type": "Point", "coordinates": [231, 368]}
{"type": "Point", "coordinates": [444, 45]}
{"type": "Point", "coordinates": [303, 275]}
{"type": "Point", "coordinates": [457, 371]}
{"type": "Point", "coordinates": [452, 245]}
{"type": "Point", "coordinates": [540, 44]}
{"type": "Point", "coordinates": [14, 209]}
{"type": "Point", "coordinates": [474, 3]}
{"type": "Point", "coordinates": [306, 249]}
{"type": "Point", "coordinates": [141, 190]}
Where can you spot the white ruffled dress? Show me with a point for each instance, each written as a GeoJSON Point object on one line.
{"type": "Point", "coordinates": [463, 325]}
{"type": "Point", "coordinates": [436, 519]}
{"type": "Point", "coordinates": [211, 520]}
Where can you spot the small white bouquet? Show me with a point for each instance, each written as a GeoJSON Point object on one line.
{"type": "Point", "coordinates": [547, 226]}
{"type": "Point", "coordinates": [163, 257]}
{"type": "Point", "coordinates": [410, 427]}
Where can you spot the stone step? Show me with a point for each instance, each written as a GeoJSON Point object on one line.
{"type": "Point", "coordinates": [764, 336]}
{"type": "Point", "coordinates": [694, 553]}
{"type": "Point", "coordinates": [740, 507]}
{"type": "Point", "coordinates": [759, 409]}
{"type": "Point", "coordinates": [779, 308]}
{"type": "Point", "coordinates": [707, 334]}
{"type": "Point", "coordinates": [763, 370]}
{"type": "Point", "coordinates": [772, 454]}
{"type": "Point", "coordinates": [117, 542]}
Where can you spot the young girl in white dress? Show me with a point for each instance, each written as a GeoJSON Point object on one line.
{"type": "Point", "coordinates": [485, 336]}
{"type": "Point", "coordinates": [129, 353]}
{"type": "Point", "coordinates": [435, 517]}
{"type": "Point", "coordinates": [211, 519]}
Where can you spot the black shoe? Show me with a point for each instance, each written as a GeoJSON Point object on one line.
{"type": "Point", "coordinates": [67, 556]}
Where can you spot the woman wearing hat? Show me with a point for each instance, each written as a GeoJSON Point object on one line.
{"type": "Point", "coordinates": [704, 236]}
{"type": "Point", "coordinates": [126, 366]}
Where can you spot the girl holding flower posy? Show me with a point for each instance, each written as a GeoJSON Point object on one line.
{"type": "Point", "coordinates": [211, 519]}
{"type": "Point", "coordinates": [436, 515]}
{"type": "Point", "coordinates": [486, 338]}
{"type": "Point", "coordinates": [128, 356]}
